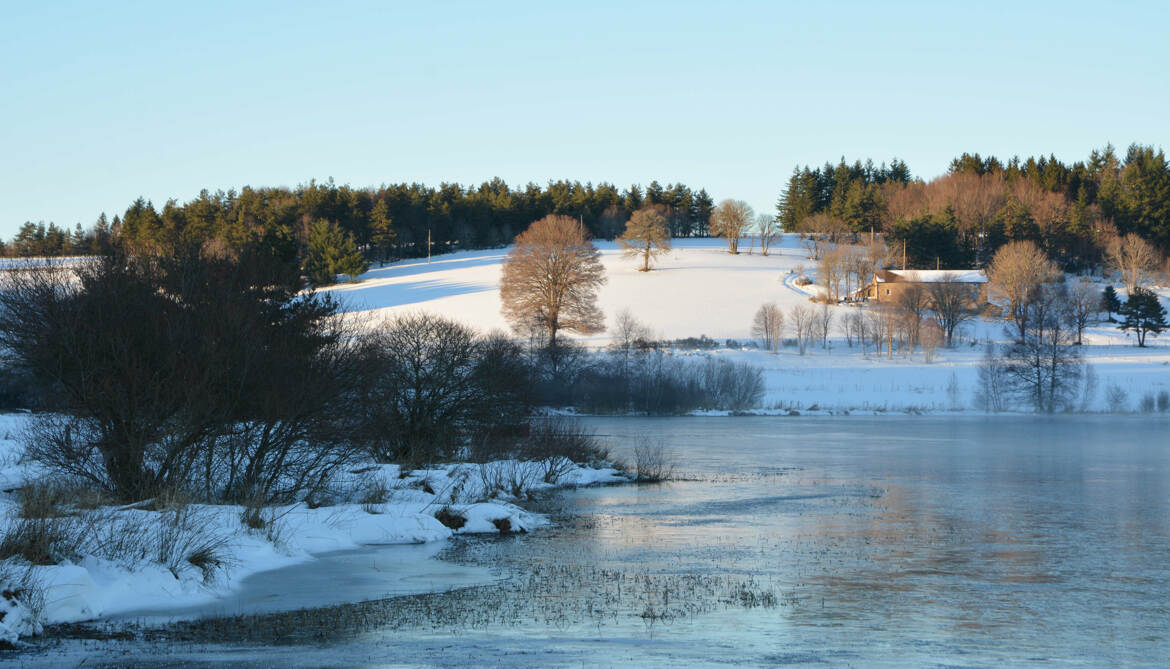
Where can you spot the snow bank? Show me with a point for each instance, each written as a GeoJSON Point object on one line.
{"type": "Point", "coordinates": [97, 586]}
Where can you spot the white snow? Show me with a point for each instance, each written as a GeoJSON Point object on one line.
{"type": "Point", "coordinates": [937, 275]}
{"type": "Point", "coordinates": [698, 288]}
{"type": "Point", "coordinates": [97, 587]}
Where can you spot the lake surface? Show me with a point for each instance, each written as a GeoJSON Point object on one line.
{"type": "Point", "coordinates": [849, 541]}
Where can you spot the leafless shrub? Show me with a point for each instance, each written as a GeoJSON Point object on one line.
{"type": "Point", "coordinates": [1148, 403]}
{"type": "Point", "coordinates": [652, 462]}
{"type": "Point", "coordinates": [510, 477]}
{"type": "Point", "coordinates": [1116, 398]}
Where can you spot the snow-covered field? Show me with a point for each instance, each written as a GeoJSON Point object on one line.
{"type": "Point", "coordinates": [109, 580]}
{"type": "Point", "coordinates": [700, 289]}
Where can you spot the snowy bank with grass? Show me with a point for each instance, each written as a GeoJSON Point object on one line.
{"type": "Point", "coordinates": [67, 558]}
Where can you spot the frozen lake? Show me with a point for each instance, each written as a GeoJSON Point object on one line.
{"type": "Point", "coordinates": [890, 541]}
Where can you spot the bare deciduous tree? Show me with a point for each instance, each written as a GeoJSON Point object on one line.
{"type": "Point", "coordinates": [768, 325]}
{"type": "Point", "coordinates": [913, 301]}
{"type": "Point", "coordinates": [832, 270]}
{"type": "Point", "coordinates": [550, 279]}
{"type": "Point", "coordinates": [820, 232]}
{"type": "Point", "coordinates": [991, 393]}
{"type": "Point", "coordinates": [930, 336]}
{"type": "Point", "coordinates": [768, 228]}
{"type": "Point", "coordinates": [629, 334]}
{"type": "Point", "coordinates": [853, 327]}
{"type": "Point", "coordinates": [730, 220]}
{"type": "Point", "coordinates": [1042, 367]}
{"type": "Point", "coordinates": [824, 324]}
{"type": "Point", "coordinates": [803, 319]}
{"type": "Point", "coordinates": [647, 235]}
{"type": "Point", "coordinates": [1135, 258]}
{"type": "Point", "coordinates": [1084, 303]}
{"type": "Point", "coordinates": [951, 302]}
{"type": "Point", "coordinates": [1016, 271]}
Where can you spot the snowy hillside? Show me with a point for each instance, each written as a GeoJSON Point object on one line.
{"type": "Point", "coordinates": [700, 289]}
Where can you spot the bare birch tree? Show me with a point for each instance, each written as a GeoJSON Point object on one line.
{"type": "Point", "coordinates": [768, 326]}
{"type": "Point", "coordinates": [803, 319]}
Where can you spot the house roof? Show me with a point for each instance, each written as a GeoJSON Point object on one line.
{"type": "Point", "coordinates": [931, 276]}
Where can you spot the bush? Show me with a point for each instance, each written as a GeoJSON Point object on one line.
{"type": "Point", "coordinates": [437, 386]}
{"type": "Point", "coordinates": [1148, 403]}
{"type": "Point", "coordinates": [211, 374]}
{"type": "Point", "coordinates": [1116, 398]}
{"type": "Point", "coordinates": [656, 383]}
{"type": "Point", "coordinates": [700, 343]}
{"type": "Point", "coordinates": [1163, 401]}
{"type": "Point", "coordinates": [652, 462]}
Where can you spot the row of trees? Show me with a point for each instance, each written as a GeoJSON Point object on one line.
{"type": "Point", "coordinates": [963, 217]}
{"type": "Point", "coordinates": [402, 220]}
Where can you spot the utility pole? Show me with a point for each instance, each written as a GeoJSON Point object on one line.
{"type": "Point", "coordinates": [903, 255]}
{"type": "Point", "coordinates": [428, 246]}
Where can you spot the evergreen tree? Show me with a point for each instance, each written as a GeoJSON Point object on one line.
{"type": "Point", "coordinates": [332, 251]}
{"type": "Point", "coordinates": [1143, 314]}
{"type": "Point", "coordinates": [1110, 303]}
{"type": "Point", "coordinates": [381, 231]}
{"type": "Point", "coordinates": [702, 206]}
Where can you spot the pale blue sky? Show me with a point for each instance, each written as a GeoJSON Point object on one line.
{"type": "Point", "coordinates": [103, 102]}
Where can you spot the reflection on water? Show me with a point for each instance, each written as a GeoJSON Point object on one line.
{"type": "Point", "coordinates": [971, 539]}
{"type": "Point", "coordinates": [884, 541]}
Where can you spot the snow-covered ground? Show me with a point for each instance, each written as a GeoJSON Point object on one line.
{"type": "Point", "coordinates": [700, 289]}
{"type": "Point", "coordinates": [106, 581]}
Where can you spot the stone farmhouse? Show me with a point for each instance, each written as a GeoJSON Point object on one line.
{"type": "Point", "coordinates": [887, 285]}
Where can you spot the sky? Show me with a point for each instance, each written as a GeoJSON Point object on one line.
{"type": "Point", "coordinates": [103, 102]}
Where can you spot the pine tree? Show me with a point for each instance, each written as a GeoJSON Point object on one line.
{"type": "Point", "coordinates": [1143, 314]}
{"type": "Point", "coordinates": [1110, 303]}
{"type": "Point", "coordinates": [382, 232]}
{"type": "Point", "coordinates": [332, 251]}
